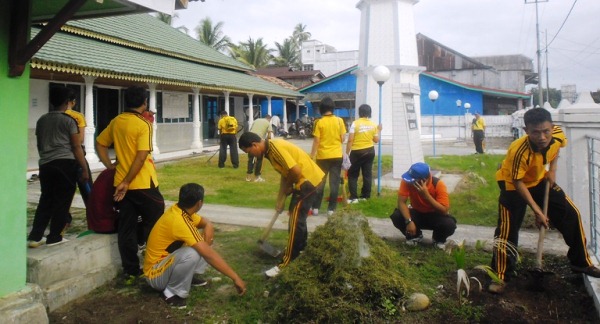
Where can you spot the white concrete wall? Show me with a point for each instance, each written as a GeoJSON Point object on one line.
{"type": "Point", "coordinates": [573, 165]}
{"type": "Point", "coordinates": [448, 126]}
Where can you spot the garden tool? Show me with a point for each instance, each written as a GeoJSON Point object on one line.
{"type": "Point", "coordinates": [263, 244]}
{"type": "Point", "coordinates": [538, 273]}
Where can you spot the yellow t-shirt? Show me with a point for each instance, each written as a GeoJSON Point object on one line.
{"type": "Point", "coordinates": [79, 117]}
{"type": "Point", "coordinates": [228, 125]}
{"type": "Point", "coordinates": [284, 155]}
{"type": "Point", "coordinates": [174, 229]}
{"type": "Point", "coordinates": [330, 130]}
{"type": "Point", "coordinates": [364, 131]}
{"type": "Point", "coordinates": [130, 132]}
{"type": "Point", "coordinates": [478, 124]}
{"type": "Point", "coordinates": [524, 162]}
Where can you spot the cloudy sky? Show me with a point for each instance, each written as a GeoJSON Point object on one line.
{"type": "Point", "coordinates": [471, 27]}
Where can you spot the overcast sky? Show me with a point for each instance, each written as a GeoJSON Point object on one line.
{"type": "Point", "coordinates": [471, 27]}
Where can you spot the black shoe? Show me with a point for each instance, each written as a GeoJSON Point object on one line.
{"type": "Point", "coordinates": [199, 282]}
{"type": "Point", "coordinates": [591, 271]}
{"type": "Point", "coordinates": [175, 301]}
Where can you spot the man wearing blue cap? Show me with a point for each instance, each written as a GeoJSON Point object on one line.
{"type": "Point", "coordinates": [428, 209]}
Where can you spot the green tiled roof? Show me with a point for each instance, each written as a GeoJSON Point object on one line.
{"type": "Point", "coordinates": [75, 54]}
{"type": "Point", "coordinates": [149, 33]}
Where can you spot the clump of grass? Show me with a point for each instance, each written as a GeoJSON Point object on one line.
{"type": "Point", "coordinates": [346, 274]}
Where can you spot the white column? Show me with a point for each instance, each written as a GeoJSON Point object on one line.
{"type": "Point", "coordinates": [297, 109]}
{"type": "Point", "coordinates": [285, 125]}
{"type": "Point", "coordinates": [196, 124]}
{"type": "Point", "coordinates": [250, 110]}
{"type": "Point", "coordinates": [226, 93]}
{"type": "Point", "coordinates": [152, 104]}
{"type": "Point", "coordinates": [578, 121]}
{"type": "Point", "coordinates": [269, 106]}
{"type": "Point", "coordinates": [90, 128]}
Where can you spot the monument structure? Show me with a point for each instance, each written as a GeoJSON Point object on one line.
{"type": "Point", "coordinates": [387, 37]}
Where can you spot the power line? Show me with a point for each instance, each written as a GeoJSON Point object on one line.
{"type": "Point", "coordinates": [563, 24]}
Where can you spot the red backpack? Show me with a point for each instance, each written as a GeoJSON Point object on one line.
{"type": "Point", "coordinates": [101, 212]}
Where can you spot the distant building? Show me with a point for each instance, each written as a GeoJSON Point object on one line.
{"type": "Point", "coordinates": [325, 58]}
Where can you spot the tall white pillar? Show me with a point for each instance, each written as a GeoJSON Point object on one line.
{"type": "Point", "coordinates": [387, 37]}
{"type": "Point", "coordinates": [269, 105]}
{"type": "Point", "coordinates": [196, 124]}
{"type": "Point", "coordinates": [578, 121]}
{"type": "Point", "coordinates": [297, 109]}
{"type": "Point", "coordinates": [226, 94]}
{"type": "Point", "coordinates": [250, 110]}
{"type": "Point", "coordinates": [90, 128]}
{"type": "Point", "coordinates": [152, 103]}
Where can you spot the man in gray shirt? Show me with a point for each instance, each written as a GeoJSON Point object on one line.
{"type": "Point", "coordinates": [263, 128]}
{"type": "Point", "coordinates": [61, 154]}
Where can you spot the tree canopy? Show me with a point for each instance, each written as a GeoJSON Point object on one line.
{"type": "Point", "coordinates": [212, 35]}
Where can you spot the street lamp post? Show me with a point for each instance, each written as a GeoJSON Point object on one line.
{"type": "Point", "coordinates": [458, 105]}
{"type": "Point", "coordinates": [380, 74]}
{"type": "Point", "coordinates": [433, 95]}
{"type": "Point", "coordinates": [467, 107]}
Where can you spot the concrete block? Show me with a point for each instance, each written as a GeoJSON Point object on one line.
{"type": "Point", "coordinates": [49, 265]}
{"type": "Point", "coordinates": [65, 291]}
{"type": "Point", "coordinates": [24, 306]}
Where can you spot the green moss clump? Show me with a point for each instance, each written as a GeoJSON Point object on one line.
{"type": "Point", "coordinates": [345, 274]}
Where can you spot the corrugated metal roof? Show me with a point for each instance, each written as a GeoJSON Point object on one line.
{"type": "Point", "coordinates": [149, 33]}
{"type": "Point", "coordinates": [86, 56]}
{"type": "Point", "coordinates": [487, 91]}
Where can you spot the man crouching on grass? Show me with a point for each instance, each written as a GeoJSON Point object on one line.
{"type": "Point", "coordinates": [176, 250]}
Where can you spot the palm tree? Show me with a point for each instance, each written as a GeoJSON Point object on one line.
{"type": "Point", "coordinates": [212, 35]}
{"type": "Point", "coordinates": [168, 19]}
{"type": "Point", "coordinates": [300, 34]}
{"type": "Point", "coordinates": [252, 53]}
{"type": "Point", "coordinates": [288, 54]}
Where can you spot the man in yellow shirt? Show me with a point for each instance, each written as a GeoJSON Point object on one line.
{"type": "Point", "coordinates": [328, 151]}
{"type": "Point", "coordinates": [360, 149]}
{"type": "Point", "coordinates": [85, 187]}
{"type": "Point", "coordinates": [176, 250]}
{"type": "Point", "coordinates": [478, 128]}
{"type": "Point", "coordinates": [228, 127]}
{"type": "Point", "coordinates": [522, 178]}
{"type": "Point", "coordinates": [300, 176]}
{"type": "Point", "coordinates": [135, 179]}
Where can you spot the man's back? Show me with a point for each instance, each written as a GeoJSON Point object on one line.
{"type": "Point", "coordinates": [53, 131]}
{"type": "Point", "coordinates": [261, 127]}
{"type": "Point", "coordinates": [330, 131]}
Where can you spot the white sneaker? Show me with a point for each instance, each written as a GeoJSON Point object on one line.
{"type": "Point", "coordinates": [35, 244]}
{"type": "Point", "coordinates": [248, 177]}
{"type": "Point", "coordinates": [259, 179]}
{"type": "Point", "coordinates": [415, 241]}
{"type": "Point", "coordinates": [273, 272]}
{"type": "Point", "coordinates": [315, 212]}
{"type": "Point", "coordinates": [59, 242]}
{"type": "Point", "coordinates": [353, 201]}
{"type": "Point", "coordinates": [329, 212]}
{"type": "Point", "coordinates": [440, 245]}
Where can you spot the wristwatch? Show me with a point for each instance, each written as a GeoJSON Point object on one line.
{"type": "Point", "coordinates": [407, 221]}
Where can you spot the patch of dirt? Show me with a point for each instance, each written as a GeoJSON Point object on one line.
{"type": "Point", "coordinates": [564, 300]}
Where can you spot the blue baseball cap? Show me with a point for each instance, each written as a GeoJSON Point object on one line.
{"type": "Point", "coordinates": [417, 171]}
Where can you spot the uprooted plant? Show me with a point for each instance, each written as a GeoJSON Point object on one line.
{"type": "Point", "coordinates": [345, 274]}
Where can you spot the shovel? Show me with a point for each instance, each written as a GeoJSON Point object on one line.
{"type": "Point", "coordinates": [263, 244]}
{"type": "Point", "coordinates": [538, 273]}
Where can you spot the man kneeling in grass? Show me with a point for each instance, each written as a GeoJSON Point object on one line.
{"type": "Point", "coordinates": [176, 250]}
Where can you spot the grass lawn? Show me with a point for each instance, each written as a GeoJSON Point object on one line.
{"type": "Point", "coordinates": [474, 201]}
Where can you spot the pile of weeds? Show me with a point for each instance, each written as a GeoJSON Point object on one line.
{"type": "Point", "coordinates": [345, 274]}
